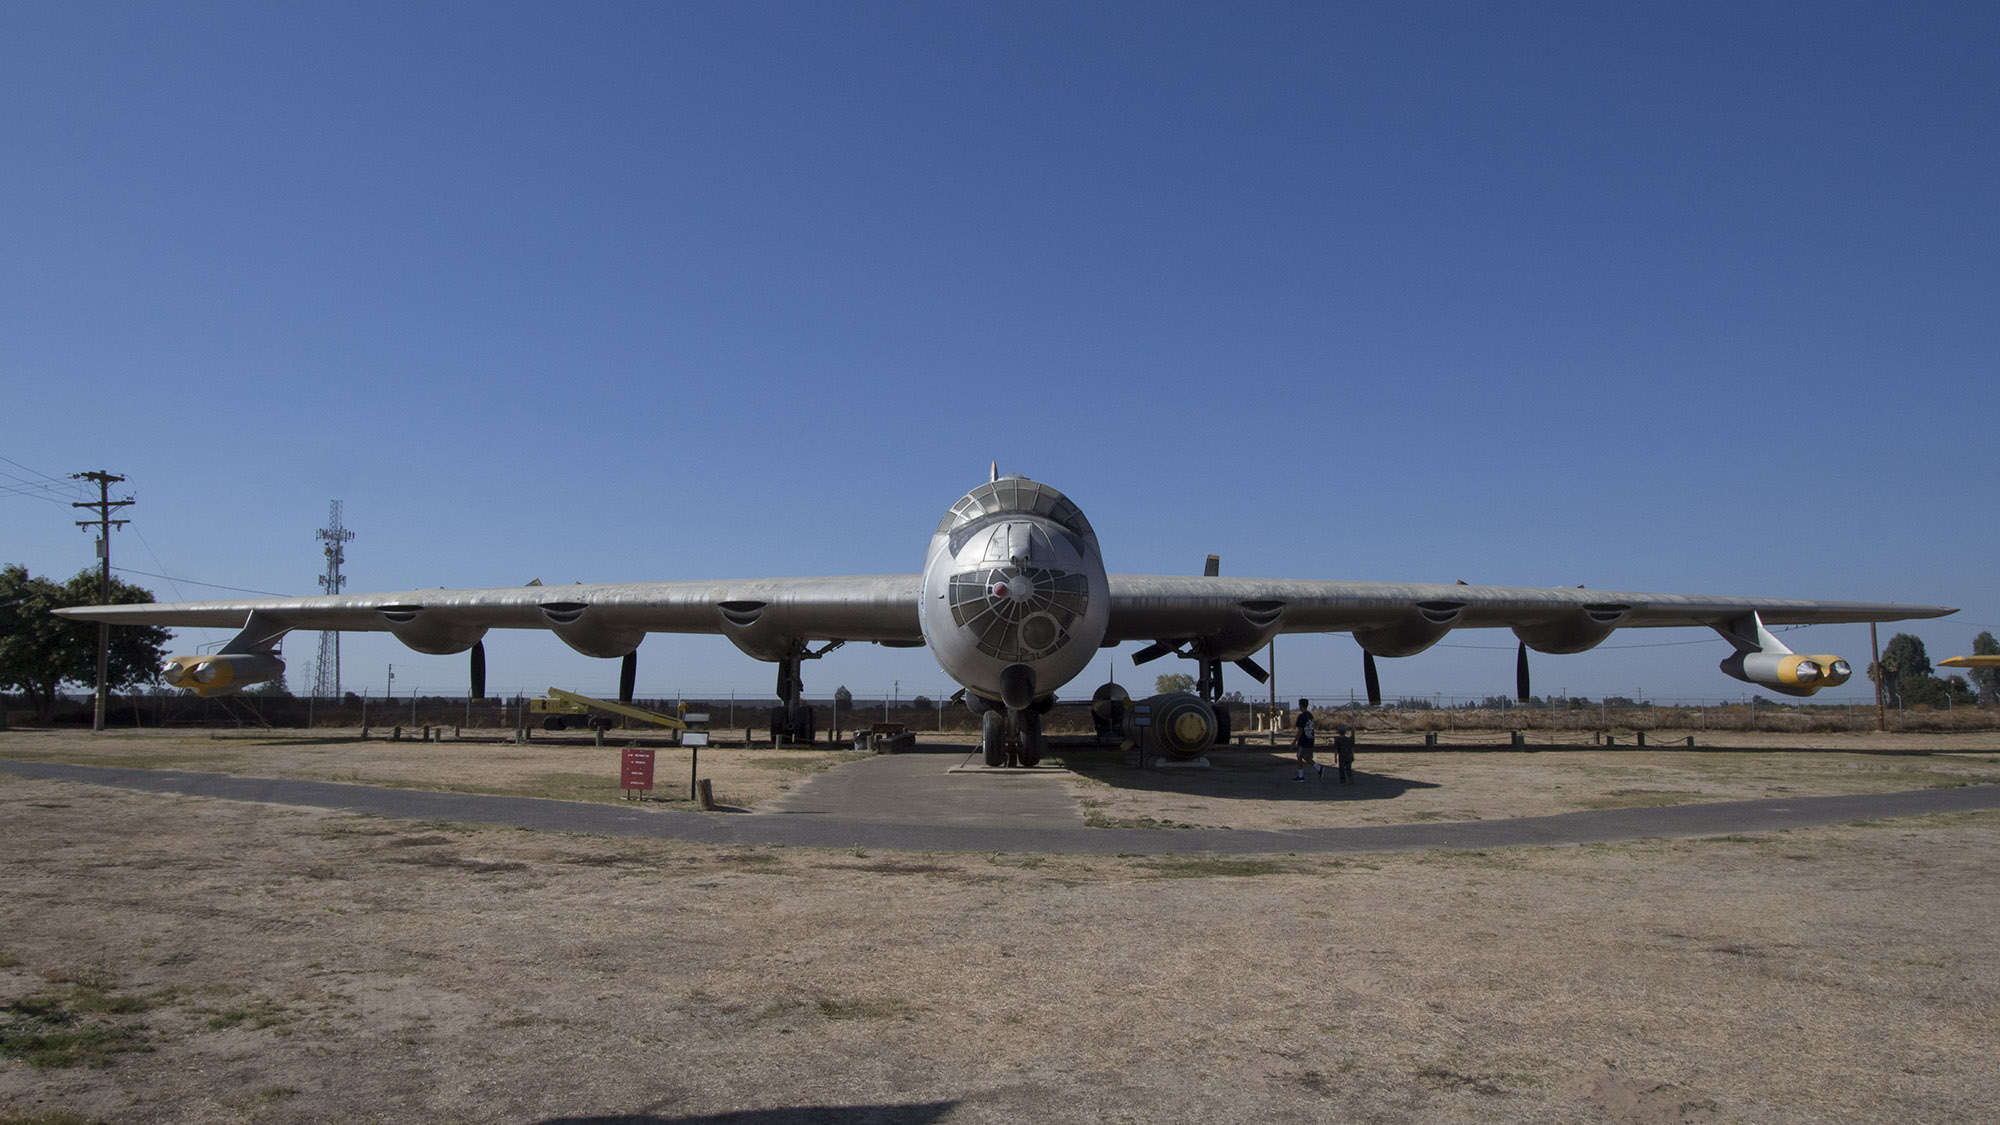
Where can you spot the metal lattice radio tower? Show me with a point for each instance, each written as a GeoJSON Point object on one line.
{"type": "Point", "coordinates": [326, 681]}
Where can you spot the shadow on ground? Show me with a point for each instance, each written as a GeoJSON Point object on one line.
{"type": "Point", "coordinates": [1238, 773]}
{"type": "Point", "coordinates": [918, 1114]}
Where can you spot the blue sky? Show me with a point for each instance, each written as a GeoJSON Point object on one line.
{"type": "Point", "coordinates": [1693, 297]}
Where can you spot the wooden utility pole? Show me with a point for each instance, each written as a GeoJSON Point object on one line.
{"type": "Point", "coordinates": [1881, 718]}
{"type": "Point", "coordinates": [1271, 716]}
{"type": "Point", "coordinates": [104, 523]}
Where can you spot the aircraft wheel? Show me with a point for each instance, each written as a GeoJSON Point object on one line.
{"type": "Point", "coordinates": [1031, 738]}
{"type": "Point", "coordinates": [993, 736]}
{"type": "Point", "coordinates": [1221, 723]}
{"type": "Point", "coordinates": [807, 731]}
{"type": "Point", "coordinates": [778, 728]}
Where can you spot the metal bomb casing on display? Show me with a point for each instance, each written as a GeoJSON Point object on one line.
{"type": "Point", "coordinates": [1180, 725]}
{"type": "Point", "coordinates": [1014, 602]}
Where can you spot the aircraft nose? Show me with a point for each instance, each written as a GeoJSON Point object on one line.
{"type": "Point", "coordinates": [1015, 588]}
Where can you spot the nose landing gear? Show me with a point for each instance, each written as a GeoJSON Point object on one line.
{"type": "Point", "coordinates": [1010, 738]}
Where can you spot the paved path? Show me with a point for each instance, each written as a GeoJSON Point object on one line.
{"type": "Point", "coordinates": [906, 802]}
{"type": "Point", "coordinates": [920, 789]}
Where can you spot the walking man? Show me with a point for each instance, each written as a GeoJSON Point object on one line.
{"type": "Point", "coordinates": [1304, 741]}
{"type": "Point", "coordinates": [1343, 754]}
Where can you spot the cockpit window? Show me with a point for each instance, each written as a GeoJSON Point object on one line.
{"type": "Point", "coordinates": [1015, 494]}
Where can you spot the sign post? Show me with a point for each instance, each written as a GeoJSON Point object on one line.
{"type": "Point", "coordinates": [694, 740]}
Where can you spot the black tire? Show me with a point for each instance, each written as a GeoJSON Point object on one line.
{"type": "Point", "coordinates": [808, 731]}
{"type": "Point", "coordinates": [552, 722]}
{"type": "Point", "coordinates": [1031, 739]}
{"type": "Point", "coordinates": [993, 737]}
{"type": "Point", "coordinates": [1221, 724]}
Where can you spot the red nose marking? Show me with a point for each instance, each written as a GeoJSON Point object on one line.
{"type": "Point", "coordinates": [999, 589]}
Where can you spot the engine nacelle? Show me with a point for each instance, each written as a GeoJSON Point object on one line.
{"type": "Point", "coordinates": [426, 631]}
{"type": "Point", "coordinates": [1788, 672]}
{"type": "Point", "coordinates": [1414, 633]}
{"type": "Point", "coordinates": [582, 631]}
{"type": "Point", "coordinates": [1178, 725]}
{"type": "Point", "coordinates": [221, 673]}
{"type": "Point", "coordinates": [1579, 631]}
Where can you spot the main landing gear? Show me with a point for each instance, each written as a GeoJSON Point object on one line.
{"type": "Point", "coordinates": [791, 718]}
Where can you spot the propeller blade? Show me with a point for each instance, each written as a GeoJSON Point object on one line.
{"type": "Point", "coordinates": [1152, 652]}
{"type": "Point", "coordinates": [479, 669]}
{"type": "Point", "coordinates": [1521, 673]}
{"type": "Point", "coordinates": [628, 675]}
{"type": "Point", "coordinates": [1368, 674]}
{"type": "Point", "coordinates": [1255, 669]}
{"type": "Point", "coordinates": [1213, 568]}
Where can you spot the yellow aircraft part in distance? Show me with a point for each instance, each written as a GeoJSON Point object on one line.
{"type": "Point", "coordinates": [1971, 662]}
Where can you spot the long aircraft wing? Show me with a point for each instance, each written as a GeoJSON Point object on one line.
{"type": "Point", "coordinates": [1146, 607]}
{"type": "Point", "coordinates": [883, 608]}
{"type": "Point", "coordinates": [851, 608]}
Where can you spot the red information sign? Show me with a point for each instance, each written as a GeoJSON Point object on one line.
{"type": "Point", "coordinates": [638, 772]}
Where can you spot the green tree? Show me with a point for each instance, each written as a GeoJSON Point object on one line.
{"type": "Point", "coordinates": [40, 652]}
{"type": "Point", "coordinates": [1174, 681]}
{"type": "Point", "coordinates": [1903, 670]}
{"type": "Point", "coordinates": [843, 700]}
{"type": "Point", "coordinates": [1987, 680]}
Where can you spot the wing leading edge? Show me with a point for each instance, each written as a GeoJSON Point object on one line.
{"type": "Point", "coordinates": [591, 617]}
{"type": "Point", "coordinates": [883, 608]}
{"type": "Point", "coordinates": [1152, 608]}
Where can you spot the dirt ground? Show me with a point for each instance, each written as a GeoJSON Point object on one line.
{"type": "Point", "coordinates": [201, 960]}
{"type": "Point", "coordinates": [1245, 786]}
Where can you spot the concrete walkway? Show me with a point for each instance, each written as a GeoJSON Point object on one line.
{"type": "Point", "coordinates": [920, 788]}
{"type": "Point", "coordinates": [911, 803]}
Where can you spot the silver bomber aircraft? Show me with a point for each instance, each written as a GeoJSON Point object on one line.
{"type": "Point", "coordinates": [1013, 602]}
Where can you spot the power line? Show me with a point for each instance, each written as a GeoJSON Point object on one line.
{"type": "Point", "coordinates": [54, 480]}
{"type": "Point", "coordinates": [193, 582]}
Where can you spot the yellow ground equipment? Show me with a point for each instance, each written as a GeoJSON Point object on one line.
{"type": "Point", "coordinates": [561, 708]}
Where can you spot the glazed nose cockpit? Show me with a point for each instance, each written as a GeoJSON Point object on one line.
{"type": "Point", "coordinates": [1022, 604]}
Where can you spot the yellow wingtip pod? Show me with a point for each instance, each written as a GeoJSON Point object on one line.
{"type": "Point", "coordinates": [1833, 670]}
{"type": "Point", "coordinates": [222, 673]}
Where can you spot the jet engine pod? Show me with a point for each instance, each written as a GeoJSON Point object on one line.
{"type": "Point", "coordinates": [1179, 725]}
{"type": "Point", "coordinates": [1832, 669]}
{"type": "Point", "coordinates": [1788, 672]}
{"type": "Point", "coordinates": [222, 673]}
